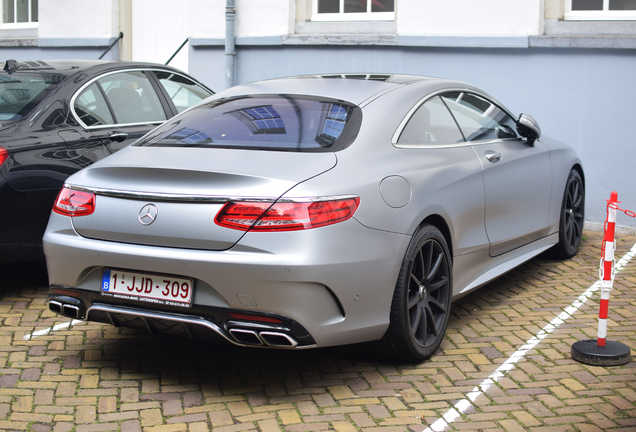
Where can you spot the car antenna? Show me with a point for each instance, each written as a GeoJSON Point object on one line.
{"type": "Point", "coordinates": [11, 66]}
{"type": "Point", "coordinates": [121, 36]}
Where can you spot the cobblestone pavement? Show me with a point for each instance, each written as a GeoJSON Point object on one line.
{"type": "Point", "coordinates": [93, 377]}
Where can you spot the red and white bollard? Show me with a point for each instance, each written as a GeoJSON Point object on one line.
{"type": "Point", "coordinates": [607, 267]}
{"type": "Point", "coordinates": [603, 352]}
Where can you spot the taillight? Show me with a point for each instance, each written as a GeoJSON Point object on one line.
{"type": "Point", "coordinates": [285, 216]}
{"type": "Point", "coordinates": [4, 154]}
{"type": "Point", "coordinates": [72, 202]}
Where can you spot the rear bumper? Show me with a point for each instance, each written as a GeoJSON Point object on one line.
{"type": "Point", "coordinates": [211, 324]}
{"type": "Point", "coordinates": [336, 282]}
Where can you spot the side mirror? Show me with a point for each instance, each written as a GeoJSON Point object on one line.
{"type": "Point", "coordinates": [528, 128]}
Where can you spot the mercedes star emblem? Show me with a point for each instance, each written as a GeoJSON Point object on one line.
{"type": "Point", "coordinates": [148, 214]}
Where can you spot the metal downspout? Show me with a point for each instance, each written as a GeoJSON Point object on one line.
{"type": "Point", "coordinates": [230, 47]}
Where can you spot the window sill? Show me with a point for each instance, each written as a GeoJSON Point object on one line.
{"type": "Point", "coordinates": [19, 26]}
{"type": "Point", "coordinates": [600, 16]}
{"type": "Point", "coordinates": [340, 27]}
{"type": "Point", "coordinates": [583, 41]}
{"type": "Point", "coordinates": [555, 27]}
{"type": "Point", "coordinates": [18, 42]}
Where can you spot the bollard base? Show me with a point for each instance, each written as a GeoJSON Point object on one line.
{"type": "Point", "coordinates": [612, 354]}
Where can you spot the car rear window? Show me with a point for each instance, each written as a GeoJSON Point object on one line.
{"type": "Point", "coordinates": [271, 122]}
{"type": "Point", "coordinates": [20, 93]}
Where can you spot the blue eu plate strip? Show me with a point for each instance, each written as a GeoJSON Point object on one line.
{"type": "Point", "coordinates": [106, 280]}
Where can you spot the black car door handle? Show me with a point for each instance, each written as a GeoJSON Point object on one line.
{"type": "Point", "coordinates": [118, 136]}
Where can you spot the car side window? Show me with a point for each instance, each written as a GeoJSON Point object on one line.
{"type": "Point", "coordinates": [478, 118]}
{"type": "Point", "coordinates": [132, 98]}
{"type": "Point", "coordinates": [431, 124]}
{"type": "Point", "coordinates": [183, 92]}
{"type": "Point", "coordinates": [91, 107]}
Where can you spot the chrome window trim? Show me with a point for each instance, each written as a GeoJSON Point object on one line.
{"type": "Point", "coordinates": [157, 122]}
{"type": "Point", "coordinates": [407, 117]}
{"type": "Point", "coordinates": [491, 141]}
{"type": "Point", "coordinates": [209, 199]}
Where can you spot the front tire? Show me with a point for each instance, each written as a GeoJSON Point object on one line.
{"type": "Point", "coordinates": [422, 299]}
{"type": "Point", "coordinates": [571, 218]}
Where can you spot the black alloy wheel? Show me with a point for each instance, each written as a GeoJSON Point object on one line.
{"type": "Point", "coordinates": [422, 299]}
{"type": "Point", "coordinates": [427, 293]}
{"type": "Point", "coordinates": [572, 217]}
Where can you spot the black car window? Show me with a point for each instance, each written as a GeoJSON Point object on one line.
{"type": "Point", "coordinates": [91, 107]}
{"type": "Point", "coordinates": [21, 92]}
{"type": "Point", "coordinates": [183, 92]}
{"type": "Point", "coordinates": [282, 122]}
{"type": "Point", "coordinates": [478, 118]}
{"type": "Point", "coordinates": [431, 124]}
{"type": "Point", "coordinates": [132, 97]}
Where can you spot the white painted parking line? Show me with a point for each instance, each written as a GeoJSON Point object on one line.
{"type": "Point", "coordinates": [463, 405]}
{"type": "Point", "coordinates": [50, 329]}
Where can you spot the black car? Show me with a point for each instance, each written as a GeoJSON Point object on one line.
{"type": "Point", "coordinates": [59, 116]}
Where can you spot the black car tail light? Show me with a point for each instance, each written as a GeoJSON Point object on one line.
{"type": "Point", "coordinates": [73, 203]}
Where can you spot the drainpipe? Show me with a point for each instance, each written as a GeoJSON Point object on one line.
{"type": "Point", "coordinates": [230, 36]}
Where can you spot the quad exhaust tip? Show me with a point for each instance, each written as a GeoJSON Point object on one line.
{"type": "Point", "coordinates": [273, 339]}
{"type": "Point", "coordinates": [67, 310]}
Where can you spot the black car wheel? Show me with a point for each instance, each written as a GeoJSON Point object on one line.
{"type": "Point", "coordinates": [571, 218]}
{"type": "Point", "coordinates": [422, 299]}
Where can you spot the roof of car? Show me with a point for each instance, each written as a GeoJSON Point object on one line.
{"type": "Point", "coordinates": [62, 66]}
{"type": "Point", "coordinates": [352, 87]}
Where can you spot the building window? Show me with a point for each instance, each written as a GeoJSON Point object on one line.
{"type": "Point", "coordinates": [19, 13]}
{"type": "Point", "coordinates": [261, 120]}
{"type": "Point", "coordinates": [335, 120]}
{"type": "Point", "coordinates": [353, 10]}
{"type": "Point", "coordinates": [597, 10]}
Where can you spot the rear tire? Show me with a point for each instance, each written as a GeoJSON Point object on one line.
{"type": "Point", "coordinates": [571, 218]}
{"type": "Point", "coordinates": [422, 299]}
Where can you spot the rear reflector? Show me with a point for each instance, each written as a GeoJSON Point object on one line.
{"type": "Point", "coordinates": [255, 318]}
{"type": "Point", "coordinates": [65, 292]}
{"type": "Point", "coordinates": [72, 203]}
{"type": "Point", "coordinates": [4, 154]}
{"type": "Point", "coordinates": [285, 216]}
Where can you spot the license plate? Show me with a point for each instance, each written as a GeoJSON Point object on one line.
{"type": "Point", "coordinates": [157, 289]}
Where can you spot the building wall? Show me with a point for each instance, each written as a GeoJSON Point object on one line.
{"type": "Point", "coordinates": [67, 19]}
{"type": "Point", "coordinates": [469, 17]}
{"type": "Point", "coordinates": [264, 17]}
{"type": "Point", "coordinates": [158, 30]}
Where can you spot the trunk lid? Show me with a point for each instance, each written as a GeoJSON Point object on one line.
{"type": "Point", "coordinates": [182, 190]}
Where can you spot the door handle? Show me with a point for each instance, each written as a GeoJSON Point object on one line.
{"type": "Point", "coordinates": [492, 156]}
{"type": "Point", "coordinates": [118, 136]}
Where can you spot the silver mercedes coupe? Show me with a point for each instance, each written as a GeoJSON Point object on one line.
{"type": "Point", "coordinates": [313, 211]}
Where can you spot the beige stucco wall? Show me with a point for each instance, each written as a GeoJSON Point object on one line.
{"type": "Point", "coordinates": [554, 9]}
